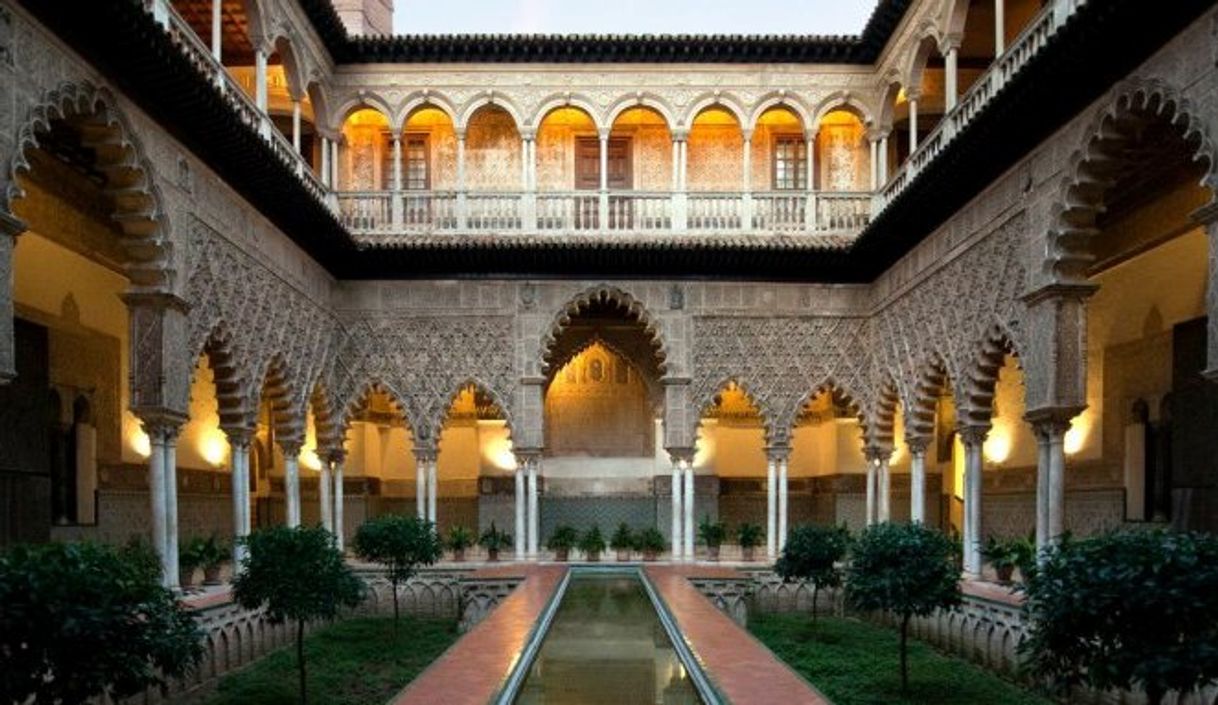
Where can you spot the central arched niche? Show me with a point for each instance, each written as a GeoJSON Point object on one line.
{"type": "Point", "coordinates": [602, 405]}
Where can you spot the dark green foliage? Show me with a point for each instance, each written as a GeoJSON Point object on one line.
{"type": "Point", "coordinates": [356, 662]}
{"type": "Point", "coordinates": [749, 535]}
{"type": "Point", "coordinates": [849, 661]}
{"type": "Point", "coordinates": [812, 553]}
{"type": "Point", "coordinates": [712, 533]}
{"type": "Point", "coordinates": [460, 538]}
{"type": "Point", "coordinates": [1006, 554]}
{"type": "Point", "coordinates": [298, 575]}
{"type": "Point", "coordinates": [564, 538]}
{"type": "Point", "coordinates": [906, 570]}
{"type": "Point", "coordinates": [493, 539]}
{"type": "Point", "coordinates": [650, 540]}
{"type": "Point", "coordinates": [623, 538]}
{"type": "Point", "coordinates": [401, 544]}
{"type": "Point", "coordinates": [592, 542]}
{"type": "Point", "coordinates": [1124, 610]}
{"type": "Point", "coordinates": [78, 620]}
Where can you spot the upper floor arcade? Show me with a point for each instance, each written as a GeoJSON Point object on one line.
{"type": "Point", "coordinates": [440, 142]}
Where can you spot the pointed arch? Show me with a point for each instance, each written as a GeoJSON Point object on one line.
{"type": "Point", "coordinates": [358, 401]}
{"type": "Point", "coordinates": [919, 57]}
{"type": "Point", "coordinates": [1103, 154]}
{"type": "Point", "coordinates": [294, 70]}
{"type": "Point", "coordinates": [478, 385]}
{"type": "Point", "coordinates": [130, 179]}
{"type": "Point", "coordinates": [880, 416]}
{"type": "Point", "coordinates": [604, 294]}
{"type": "Point", "coordinates": [980, 377]}
{"type": "Point", "coordinates": [933, 377]}
{"type": "Point", "coordinates": [276, 388]}
{"type": "Point", "coordinates": [829, 385]}
{"type": "Point", "coordinates": [768, 418]}
{"type": "Point", "coordinates": [888, 101]}
{"type": "Point", "coordinates": [232, 388]}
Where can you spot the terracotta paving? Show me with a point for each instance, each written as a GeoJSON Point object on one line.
{"type": "Point", "coordinates": [474, 669]}
{"type": "Point", "coordinates": [743, 670]}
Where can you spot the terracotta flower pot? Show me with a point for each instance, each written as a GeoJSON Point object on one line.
{"type": "Point", "coordinates": [562, 555]}
{"type": "Point", "coordinates": [492, 554]}
{"type": "Point", "coordinates": [650, 556]}
{"type": "Point", "coordinates": [1005, 572]}
{"type": "Point", "coordinates": [712, 553]}
{"type": "Point", "coordinates": [749, 553]}
{"type": "Point", "coordinates": [211, 575]}
{"type": "Point", "coordinates": [186, 577]}
{"type": "Point", "coordinates": [458, 555]}
{"type": "Point", "coordinates": [623, 555]}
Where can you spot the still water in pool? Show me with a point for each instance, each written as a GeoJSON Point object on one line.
{"type": "Point", "coordinates": [606, 646]}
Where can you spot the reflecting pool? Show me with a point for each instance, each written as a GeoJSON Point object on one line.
{"type": "Point", "coordinates": [606, 646]}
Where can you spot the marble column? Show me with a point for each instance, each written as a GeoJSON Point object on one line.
{"type": "Point", "coordinates": [171, 499]}
{"type": "Point", "coordinates": [678, 544]}
{"type": "Point", "coordinates": [1000, 30]}
{"type": "Point", "coordinates": [951, 90]}
{"type": "Point", "coordinates": [323, 496]}
{"type": "Point", "coordinates": [1042, 487]}
{"type": "Point", "coordinates": [217, 33]}
{"type": "Point", "coordinates": [519, 536]}
{"type": "Point", "coordinates": [260, 91]}
{"type": "Point", "coordinates": [325, 163]}
{"type": "Point", "coordinates": [156, 496]}
{"type": "Point", "coordinates": [973, 438]}
{"type": "Point", "coordinates": [432, 489]}
{"type": "Point", "coordinates": [690, 530]}
{"type": "Point", "coordinates": [913, 124]}
{"type": "Point", "coordinates": [875, 163]}
{"type": "Point", "coordinates": [746, 158]}
{"type": "Point", "coordinates": [420, 491]}
{"type": "Point", "coordinates": [338, 458]}
{"type": "Point", "coordinates": [771, 507]}
{"type": "Point", "coordinates": [534, 518]}
{"type": "Point", "coordinates": [883, 161]}
{"type": "Point", "coordinates": [872, 470]}
{"type": "Point", "coordinates": [883, 486]}
{"type": "Point", "coordinates": [291, 480]}
{"type": "Point", "coordinates": [296, 125]}
{"type": "Point", "coordinates": [782, 502]}
{"type": "Point", "coordinates": [239, 459]}
{"type": "Point", "coordinates": [917, 478]}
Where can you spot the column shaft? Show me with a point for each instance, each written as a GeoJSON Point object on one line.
{"type": "Point", "coordinates": [432, 489]}
{"type": "Point", "coordinates": [534, 523]}
{"type": "Point", "coordinates": [883, 161]}
{"type": "Point", "coordinates": [871, 491]}
{"type": "Point", "coordinates": [1057, 482]}
{"type": "Point", "coordinates": [1042, 489]}
{"type": "Point", "coordinates": [296, 125]}
{"type": "Point", "coordinates": [689, 531]}
{"type": "Point", "coordinates": [1000, 30]}
{"type": "Point", "coordinates": [323, 492]}
{"type": "Point", "coordinates": [217, 37]}
{"type": "Point", "coordinates": [238, 456]}
{"type": "Point", "coordinates": [913, 126]}
{"type": "Point", "coordinates": [972, 507]}
{"type": "Point", "coordinates": [917, 486]}
{"type": "Point", "coordinates": [156, 495]}
{"type": "Point", "coordinates": [519, 536]}
{"type": "Point", "coordinates": [951, 90]}
{"type": "Point", "coordinates": [782, 503]}
{"type": "Point", "coordinates": [171, 503]}
{"type": "Point", "coordinates": [420, 490]}
{"type": "Point", "coordinates": [339, 530]}
{"type": "Point", "coordinates": [291, 486]}
{"type": "Point", "coordinates": [875, 164]}
{"type": "Point", "coordinates": [260, 80]}
{"type": "Point", "coordinates": [678, 543]}
{"type": "Point", "coordinates": [883, 490]}
{"type": "Point", "coordinates": [325, 163]}
{"type": "Point", "coordinates": [771, 509]}
{"type": "Point", "coordinates": [334, 164]}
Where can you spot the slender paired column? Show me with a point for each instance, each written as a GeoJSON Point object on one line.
{"type": "Point", "coordinates": [913, 124]}
{"type": "Point", "coordinates": [810, 218]}
{"type": "Point", "coordinates": [782, 502]}
{"type": "Point", "coordinates": [1042, 486]}
{"type": "Point", "coordinates": [1000, 30]}
{"type": "Point", "coordinates": [872, 470]}
{"type": "Point", "coordinates": [337, 459]}
{"type": "Point", "coordinates": [239, 460]}
{"type": "Point", "coordinates": [432, 489]}
{"type": "Point", "coordinates": [534, 519]}
{"type": "Point", "coordinates": [678, 521]}
{"type": "Point", "coordinates": [951, 89]}
{"type": "Point", "coordinates": [217, 36]}
{"type": "Point", "coordinates": [296, 125]}
{"type": "Point", "coordinates": [519, 535]}
{"type": "Point", "coordinates": [689, 530]}
{"type": "Point", "coordinates": [1050, 429]}
{"type": "Point", "coordinates": [747, 179]}
{"type": "Point", "coordinates": [334, 170]}
{"type": "Point", "coordinates": [883, 486]}
{"type": "Point", "coordinates": [528, 181]}
{"type": "Point", "coordinates": [973, 438]}
{"type": "Point", "coordinates": [420, 490]}
{"type": "Point", "coordinates": [917, 478]}
{"type": "Point", "coordinates": [462, 197]}
{"type": "Point", "coordinates": [603, 200]}
{"type": "Point", "coordinates": [883, 161]}
{"type": "Point", "coordinates": [291, 479]}
{"type": "Point", "coordinates": [875, 163]}
{"type": "Point", "coordinates": [771, 507]}
{"type": "Point", "coordinates": [325, 163]}
{"type": "Point", "coordinates": [323, 496]}
{"type": "Point", "coordinates": [680, 157]}
{"type": "Point", "coordinates": [163, 492]}
{"type": "Point", "coordinates": [260, 92]}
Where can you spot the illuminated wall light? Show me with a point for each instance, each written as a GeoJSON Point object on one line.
{"type": "Point", "coordinates": [1076, 436]}
{"type": "Point", "coordinates": [997, 447]}
{"type": "Point", "coordinates": [140, 443]}
{"type": "Point", "coordinates": [213, 447]}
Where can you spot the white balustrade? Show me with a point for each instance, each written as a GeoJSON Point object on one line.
{"type": "Point", "coordinates": [494, 212]}
{"type": "Point", "coordinates": [780, 212]}
{"type": "Point", "coordinates": [842, 212]}
{"type": "Point", "coordinates": [715, 212]}
{"type": "Point", "coordinates": [639, 211]}
{"type": "Point", "coordinates": [365, 211]}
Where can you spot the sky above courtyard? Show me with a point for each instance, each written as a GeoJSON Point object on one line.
{"type": "Point", "coordinates": [632, 16]}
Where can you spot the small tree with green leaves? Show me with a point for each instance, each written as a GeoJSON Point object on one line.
{"type": "Point", "coordinates": [298, 575]}
{"type": "Point", "coordinates": [812, 553]}
{"type": "Point", "coordinates": [1130, 609]}
{"type": "Point", "coordinates": [401, 544]}
{"type": "Point", "coordinates": [906, 570]}
{"type": "Point", "coordinates": [82, 620]}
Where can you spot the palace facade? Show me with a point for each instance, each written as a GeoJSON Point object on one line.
{"type": "Point", "coordinates": [263, 264]}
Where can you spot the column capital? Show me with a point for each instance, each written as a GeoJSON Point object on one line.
{"type": "Point", "coordinates": [681, 455]}
{"type": "Point", "coordinates": [238, 436]}
{"type": "Point", "coordinates": [528, 134]}
{"type": "Point", "coordinates": [526, 456]}
{"type": "Point", "coordinates": [747, 133]}
{"type": "Point", "coordinates": [160, 423]}
{"type": "Point", "coordinates": [12, 225]}
{"type": "Point", "coordinates": [878, 454]}
{"type": "Point", "coordinates": [1051, 421]}
{"type": "Point", "coordinates": [811, 133]}
{"type": "Point", "coordinates": [973, 435]}
{"type": "Point", "coordinates": [1076, 291]}
{"type": "Point", "coordinates": [679, 134]}
{"type": "Point", "coordinates": [917, 445]}
{"type": "Point", "coordinates": [156, 300]}
{"type": "Point", "coordinates": [290, 446]}
{"type": "Point", "coordinates": [425, 454]}
{"type": "Point", "coordinates": [332, 455]}
{"type": "Point", "coordinates": [950, 42]}
{"type": "Point", "coordinates": [777, 452]}
{"type": "Point", "coordinates": [459, 132]}
{"type": "Point", "coordinates": [913, 96]}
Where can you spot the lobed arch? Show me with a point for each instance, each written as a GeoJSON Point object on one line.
{"type": "Point", "coordinates": [769, 426]}
{"type": "Point", "coordinates": [780, 99]}
{"type": "Point", "coordinates": [880, 416]}
{"type": "Point", "coordinates": [979, 377]}
{"type": "Point", "coordinates": [324, 418]}
{"type": "Point", "coordinates": [231, 382]}
{"type": "Point", "coordinates": [603, 293]}
{"type": "Point", "coordinates": [652, 101]}
{"type": "Point", "coordinates": [478, 385]}
{"type": "Point", "coordinates": [829, 385]}
{"type": "Point", "coordinates": [1102, 154]}
{"type": "Point", "coordinates": [130, 177]}
{"type": "Point", "coordinates": [275, 385]}
{"type": "Point", "coordinates": [842, 100]}
{"type": "Point", "coordinates": [567, 100]}
{"type": "Point", "coordinates": [348, 408]}
{"type": "Point", "coordinates": [933, 376]}
{"type": "Point", "coordinates": [489, 98]}
{"type": "Point", "coordinates": [714, 99]}
{"type": "Point", "coordinates": [421, 100]}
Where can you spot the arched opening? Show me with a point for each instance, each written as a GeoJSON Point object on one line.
{"type": "Point", "coordinates": [731, 450]}
{"type": "Point", "coordinates": [714, 165]}
{"type": "Point", "coordinates": [780, 167]}
{"type": "Point", "coordinates": [640, 161]}
{"type": "Point", "coordinates": [493, 171]}
{"type": "Point", "coordinates": [425, 169]}
{"type": "Point", "coordinates": [827, 466]}
{"type": "Point", "coordinates": [602, 402]}
{"type": "Point", "coordinates": [382, 463]}
{"type": "Point", "coordinates": [928, 427]}
{"type": "Point", "coordinates": [568, 170]}
{"type": "Point", "coordinates": [475, 463]}
{"type": "Point", "coordinates": [365, 172]}
{"type": "Point", "coordinates": [925, 98]}
{"type": "Point", "coordinates": [842, 159]}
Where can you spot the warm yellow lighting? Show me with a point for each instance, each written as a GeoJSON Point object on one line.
{"type": "Point", "coordinates": [497, 448]}
{"type": "Point", "coordinates": [140, 443]}
{"type": "Point", "coordinates": [997, 447]}
{"type": "Point", "coordinates": [213, 447]}
{"type": "Point", "coordinates": [1076, 436]}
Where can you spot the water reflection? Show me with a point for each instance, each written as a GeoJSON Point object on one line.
{"type": "Point", "coordinates": [606, 646]}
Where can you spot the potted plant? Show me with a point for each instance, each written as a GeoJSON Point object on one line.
{"type": "Point", "coordinates": [493, 540]}
{"type": "Point", "coordinates": [212, 555]}
{"type": "Point", "coordinates": [592, 543]}
{"type": "Point", "coordinates": [712, 534]}
{"type": "Point", "coordinates": [562, 541]}
{"type": "Point", "coordinates": [650, 542]}
{"type": "Point", "coordinates": [749, 536]}
{"type": "Point", "coordinates": [1008, 554]}
{"type": "Point", "coordinates": [459, 539]}
{"type": "Point", "coordinates": [190, 557]}
{"type": "Point", "coordinates": [622, 542]}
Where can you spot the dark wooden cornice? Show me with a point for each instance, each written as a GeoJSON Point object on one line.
{"type": "Point", "coordinates": [590, 49]}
